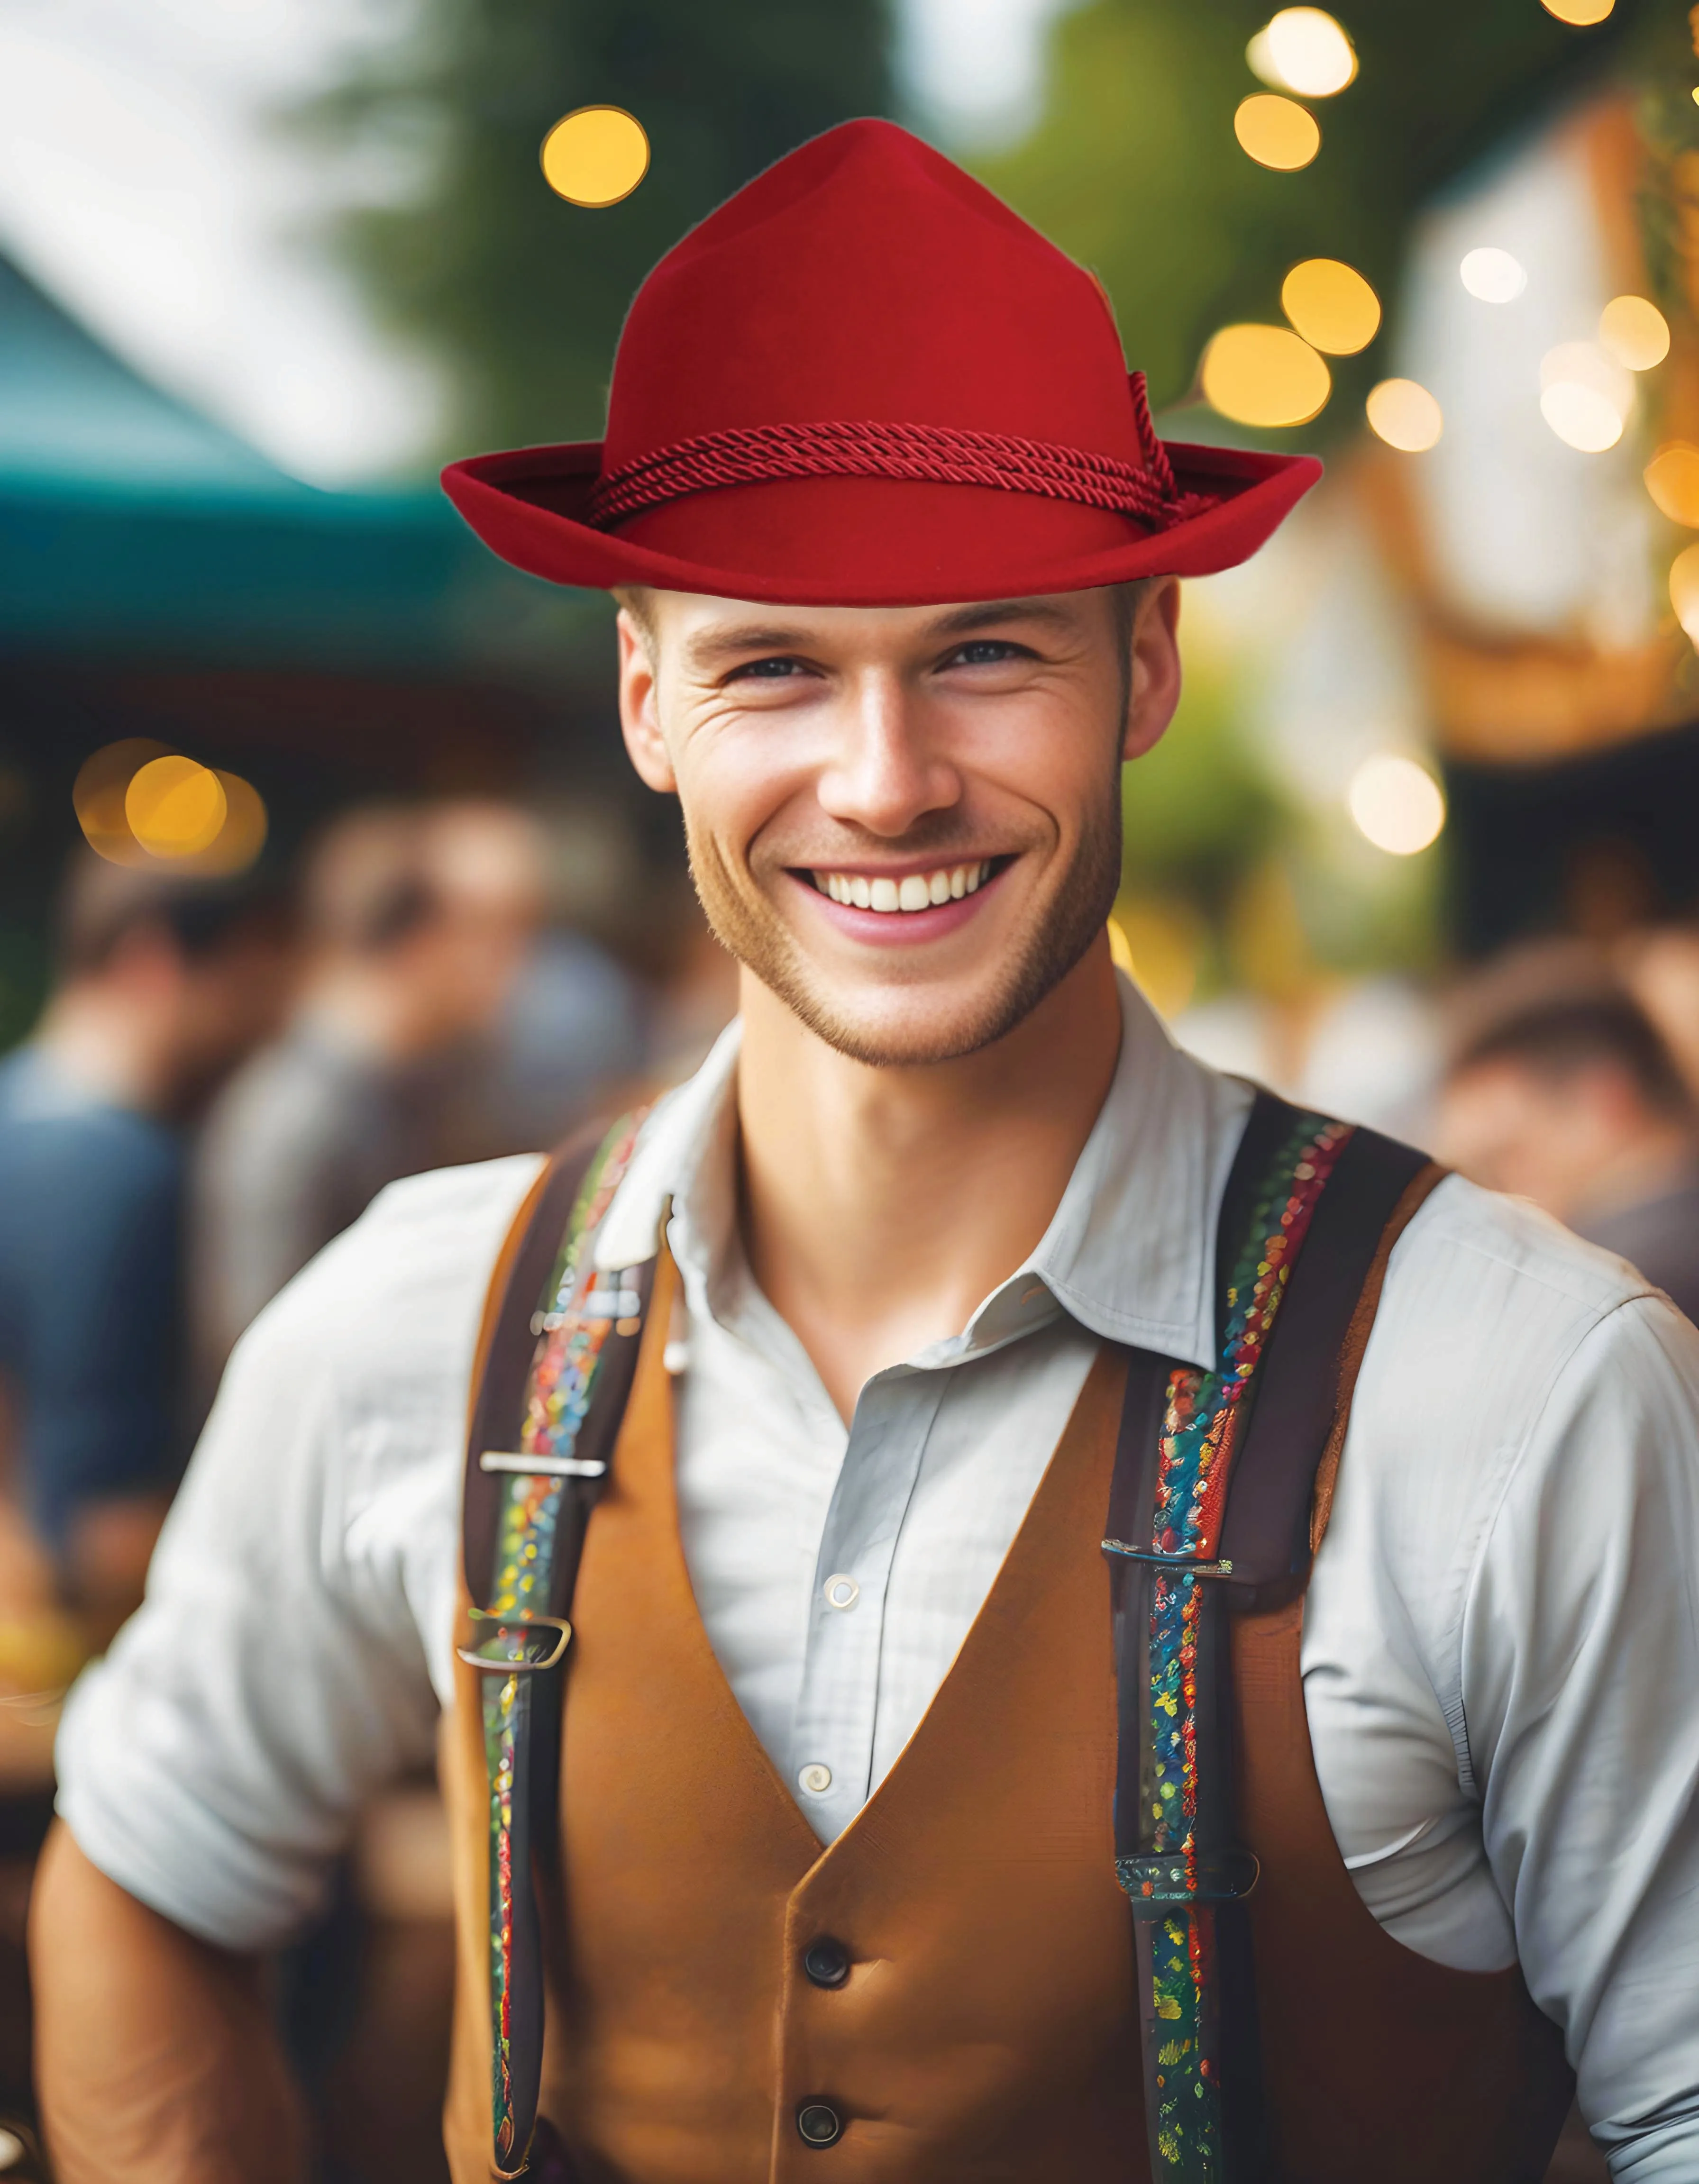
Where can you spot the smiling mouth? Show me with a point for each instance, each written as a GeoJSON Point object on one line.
{"type": "Point", "coordinates": [914, 891]}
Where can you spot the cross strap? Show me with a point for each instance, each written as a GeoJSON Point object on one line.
{"type": "Point", "coordinates": [1210, 1510]}
{"type": "Point", "coordinates": [546, 1417]}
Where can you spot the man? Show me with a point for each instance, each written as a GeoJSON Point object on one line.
{"type": "Point", "coordinates": [1577, 1104]}
{"type": "Point", "coordinates": [416, 924]}
{"type": "Point", "coordinates": [162, 984]}
{"type": "Point", "coordinates": [833, 1881]}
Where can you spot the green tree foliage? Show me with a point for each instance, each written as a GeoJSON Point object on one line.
{"type": "Point", "coordinates": [520, 295]}
{"type": "Point", "coordinates": [1135, 170]}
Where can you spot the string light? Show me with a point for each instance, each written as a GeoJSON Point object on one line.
{"type": "Point", "coordinates": [1582, 13]}
{"type": "Point", "coordinates": [1396, 804]}
{"type": "Point", "coordinates": [1635, 331]}
{"type": "Point", "coordinates": [595, 155]}
{"type": "Point", "coordinates": [1584, 396]}
{"type": "Point", "coordinates": [138, 803]}
{"type": "Point", "coordinates": [1672, 478]}
{"type": "Point", "coordinates": [1492, 276]}
{"type": "Point", "coordinates": [1303, 49]}
{"type": "Point", "coordinates": [1404, 414]}
{"type": "Point", "coordinates": [1277, 132]}
{"type": "Point", "coordinates": [174, 806]}
{"type": "Point", "coordinates": [1331, 305]}
{"type": "Point", "coordinates": [1264, 376]}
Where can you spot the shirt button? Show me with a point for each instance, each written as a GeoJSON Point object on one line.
{"type": "Point", "coordinates": [842, 1591]}
{"type": "Point", "coordinates": [827, 1962]}
{"type": "Point", "coordinates": [819, 2124]}
{"type": "Point", "coordinates": [816, 1778]}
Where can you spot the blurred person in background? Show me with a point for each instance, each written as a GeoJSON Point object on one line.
{"type": "Point", "coordinates": [1575, 1102]}
{"type": "Point", "coordinates": [416, 923]}
{"type": "Point", "coordinates": [164, 983]}
{"type": "Point", "coordinates": [571, 1020]}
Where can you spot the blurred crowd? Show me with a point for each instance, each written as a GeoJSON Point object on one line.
{"type": "Point", "coordinates": [226, 1071]}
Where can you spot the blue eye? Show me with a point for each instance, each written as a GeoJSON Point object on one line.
{"type": "Point", "coordinates": [769, 670]}
{"type": "Point", "coordinates": [988, 652]}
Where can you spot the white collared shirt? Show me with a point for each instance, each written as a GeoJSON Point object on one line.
{"type": "Point", "coordinates": [1501, 1642]}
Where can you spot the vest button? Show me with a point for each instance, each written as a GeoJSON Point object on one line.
{"type": "Point", "coordinates": [819, 2125]}
{"type": "Point", "coordinates": [827, 1962]}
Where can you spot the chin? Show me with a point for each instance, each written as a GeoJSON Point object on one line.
{"type": "Point", "coordinates": [910, 1030]}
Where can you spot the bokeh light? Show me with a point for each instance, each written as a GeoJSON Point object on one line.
{"type": "Point", "coordinates": [1492, 275]}
{"type": "Point", "coordinates": [1331, 305]}
{"type": "Point", "coordinates": [1672, 478]}
{"type": "Point", "coordinates": [1264, 376]}
{"type": "Point", "coordinates": [139, 803]}
{"type": "Point", "coordinates": [175, 806]}
{"type": "Point", "coordinates": [1684, 590]}
{"type": "Point", "coordinates": [1303, 49]}
{"type": "Point", "coordinates": [595, 156]}
{"type": "Point", "coordinates": [1634, 331]}
{"type": "Point", "coordinates": [1396, 804]}
{"type": "Point", "coordinates": [1585, 397]}
{"type": "Point", "coordinates": [1583, 13]}
{"type": "Point", "coordinates": [1404, 414]}
{"type": "Point", "coordinates": [1277, 132]}
{"type": "Point", "coordinates": [98, 797]}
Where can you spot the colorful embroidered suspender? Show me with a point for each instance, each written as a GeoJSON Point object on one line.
{"type": "Point", "coordinates": [1178, 1546]}
{"type": "Point", "coordinates": [545, 1485]}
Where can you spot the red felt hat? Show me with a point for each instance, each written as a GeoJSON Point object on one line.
{"type": "Point", "coordinates": [865, 381]}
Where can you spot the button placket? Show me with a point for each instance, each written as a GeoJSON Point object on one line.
{"type": "Point", "coordinates": [838, 1703]}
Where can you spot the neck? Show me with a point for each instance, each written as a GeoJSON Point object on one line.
{"type": "Point", "coordinates": [880, 1205]}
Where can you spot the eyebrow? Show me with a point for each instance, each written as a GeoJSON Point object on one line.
{"type": "Point", "coordinates": [708, 648]}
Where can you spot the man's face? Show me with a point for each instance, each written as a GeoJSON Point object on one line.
{"type": "Point", "coordinates": [906, 821]}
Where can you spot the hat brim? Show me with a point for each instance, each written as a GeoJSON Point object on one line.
{"type": "Point", "coordinates": [865, 541]}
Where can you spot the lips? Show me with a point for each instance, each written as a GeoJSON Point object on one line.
{"type": "Point", "coordinates": [914, 891]}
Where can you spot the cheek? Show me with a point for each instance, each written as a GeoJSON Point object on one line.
{"type": "Point", "coordinates": [735, 788]}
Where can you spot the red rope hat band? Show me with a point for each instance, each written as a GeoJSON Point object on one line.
{"type": "Point", "coordinates": [932, 454]}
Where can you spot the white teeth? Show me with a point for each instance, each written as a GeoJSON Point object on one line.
{"type": "Point", "coordinates": [915, 891]}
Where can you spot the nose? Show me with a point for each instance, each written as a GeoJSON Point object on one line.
{"type": "Point", "coordinates": [886, 771]}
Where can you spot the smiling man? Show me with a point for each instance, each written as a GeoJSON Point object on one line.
{"type": "Point", "coordinates": [1011, 1609]}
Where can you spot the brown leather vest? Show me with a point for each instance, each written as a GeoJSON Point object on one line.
{"type": "Point", "coordinates": [987, 2029]}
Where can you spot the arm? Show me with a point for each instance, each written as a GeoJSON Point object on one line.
{"type": "Point", "coordinates": [156, 2060]}
{"type": "Point", "coordinates": [1579, 1681]}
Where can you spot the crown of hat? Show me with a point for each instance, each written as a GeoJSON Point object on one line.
{"type": "Point", "coordinates": [865, 277]}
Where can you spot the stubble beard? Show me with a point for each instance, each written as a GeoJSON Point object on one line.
{"type": "Point", "coordinates": [1064, 922]}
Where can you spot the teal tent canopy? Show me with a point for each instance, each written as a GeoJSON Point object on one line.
{"type": "Point", "coordinates": [128, 522]}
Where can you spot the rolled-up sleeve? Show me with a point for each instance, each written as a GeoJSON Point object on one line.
{"type": "Point", "coordinates": [299, 1607]}
{"type": "Point", "coordinates": [1579, 1686]}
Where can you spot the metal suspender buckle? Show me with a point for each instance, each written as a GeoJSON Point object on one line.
{"type": "Point", "coordinates": [504, 1664]}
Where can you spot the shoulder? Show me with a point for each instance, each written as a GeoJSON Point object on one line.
{"type": "Point", "coordinates": [1489, 1305]}
{"type": "Point", "coordinates": [1509, 1359]}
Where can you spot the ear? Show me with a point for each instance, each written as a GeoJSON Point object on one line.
{"type": "Point", "coordinates": [1153, 685]}
{"type": "Point", "coordinates": [639, 712]}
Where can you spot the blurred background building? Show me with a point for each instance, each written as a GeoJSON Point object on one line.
{"type": "Point", "coordinates": [1420, 847]}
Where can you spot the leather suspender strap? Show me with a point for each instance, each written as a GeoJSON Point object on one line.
{"type": "Point", "coordinates": [1210, 1509]}
{"type": "Point", "coordinates": [544, 1421]}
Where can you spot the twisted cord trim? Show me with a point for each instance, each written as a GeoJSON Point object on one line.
{"type": "Point", "coordinates": [931, 454]}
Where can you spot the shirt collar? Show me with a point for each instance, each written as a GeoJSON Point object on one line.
{"type": "Point", "coordinates": [1129, 1254]}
